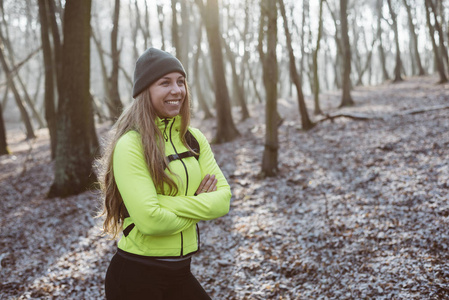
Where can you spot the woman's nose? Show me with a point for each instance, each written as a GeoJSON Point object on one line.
{"type": "Point", "coordinates": [175, 89]}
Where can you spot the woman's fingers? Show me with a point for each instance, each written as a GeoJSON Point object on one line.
{"type": "Point", "coordinates": [202, 188]}
{"type": "Point", "coordinates": [208, 184]}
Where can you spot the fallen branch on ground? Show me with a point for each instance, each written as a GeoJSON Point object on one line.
{"type": "Point", "coordinates": [365, 117]}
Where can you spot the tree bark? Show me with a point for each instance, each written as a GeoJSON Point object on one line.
{"type": "Point", "coordinates": [145, 29]}
{"type": "Point", "coordinates": [160, 16]}
{"type": "Point", "coordinates": [226, 130]}
{"type": "Point", "coordinates": [24, 114]}
{"type": "Point", "coordinates": [57, 44]}
{"type": "Point", "coordinates": [175, 29]}
{"type": "Point", "coordinates": [184, 39]}
{"type": "Point", "coordinates": [3, 143]}
{"type": "Point", "coordinates": [414, 39]}
{"type": "Point", "coordinates": [270, 77]}
{"type": "Point", "coordinates": [439, 29]}
{"type": "Point", "coordinates": [398, 66]}
{"type": "Point", "coordinates": [305, 120]}
{"type": "Point", "coordinates": [316, 80]}
{"type": "Point", "coordinates": [254, 82]}
{"type": "Point", "coordinates": [113, 91]}
{"type": "Point", "coordinates": [437, 57]}
{"type": "Point", "coordinates": [199, 93]}
{"type": "Point", "coordinates": [380, 48]}
{"type": "Point", "coordinates": [73, 163]}
{"type": "Point", "coordinates": [305, 18]}
{"type": "Point", "coordinates": [346, 99]}
{"type": "Point", "coordinates": [104, 71]}
{"type": "Point", "coordinates": [30, 103]}
{"type": "Point", "coordinates": [237, 82]}
{"type": "Point", "coordinates": [134, 28]}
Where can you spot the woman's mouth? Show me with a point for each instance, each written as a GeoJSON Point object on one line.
{"type": "Point", "coordinates": [173, 102]}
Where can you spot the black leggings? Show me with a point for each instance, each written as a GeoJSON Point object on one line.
{"type": "Point", "coordinates": [128, 279]}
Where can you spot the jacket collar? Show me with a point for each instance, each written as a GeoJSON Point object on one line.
{"type": "Point", "coordinates": [166, 123]}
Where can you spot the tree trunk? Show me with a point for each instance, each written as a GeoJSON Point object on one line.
{"type": "Point", "coordinates": [57, 44]}
{"type": "Point", "coordinates": [380, 48]}
{"type": "Point", "coordinates": [184, 39]}
{"type": "Point", "coordinates": [133, 31]}
{"type": "Point", "coordinates": [338, 44]}
{"type": "Point", "coordinates": [414, 39]}
{"type": "Point", "coordinates": [356, 57]}
{"type": "Point", "coordinates": [175, 29]}
{"type": "Point", "coordinates": [73, 164]}
{"type": "Point", "coordinates": [270, 77]}
{"type": "Point", "coordinates": [12, 86]}
{"type": "Point", "coordinates": [398, 66]}
{"type": "Point", "coordinates": [104, 72]}
{"type": "Point", "coordinates": [199, 92]}
{"type": "Point", "coordinates": [305, 18]}
{"type": "Point", "coordinates": [367, 62]}
{"type": "Point", "coordinates": [305, 120]}
{"type": "Point", "coordinates": [254, 82]}
{"type": "Point", "coordinates": [3, 144]}
{"type": "Point", "coordinates": [316, 80]}
{"type": "Point", "coordinates": [30, 103]}
{"type": "Point", "coordinates": [114, 94]}
{"type": "Point", "coordinates": [437, 57]}
{"type": "Point", "coordinates": [439, 29]}
{"type": "Point", "coordinates": [145, 29]}
{"type": "Point", "coordinates": [160, 16]}
{"type": "Point", "coordinates": [226, 130]}
{"type": "Point", "coordinates": [237, 82]}
{"type": "Point", "coordinates": [346, 99]}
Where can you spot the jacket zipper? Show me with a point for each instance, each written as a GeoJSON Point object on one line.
{"type": "Point", "coordinates": [187, 178]}
{"type": "Point", "coordinates": [166, 121]}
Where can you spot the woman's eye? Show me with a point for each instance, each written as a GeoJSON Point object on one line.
{"type": "Point", "coordinates": [181, 82]}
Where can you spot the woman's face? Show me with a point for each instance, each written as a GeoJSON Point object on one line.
{"type": "Point", "coordinates": [168, 94]}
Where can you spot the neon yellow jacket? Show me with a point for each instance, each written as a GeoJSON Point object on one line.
{"type": "Point", "coordinates": [165, 226]}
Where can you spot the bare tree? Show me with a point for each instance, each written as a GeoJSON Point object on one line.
{"type": "Point", "coordinates": [439, 64]}
{"type": "Point", "coordinates": [175, 29]}
{"type": "Point", "coordinates": [439, 29]}
{"type": "Point", "coordinates": [268, 12]}
{"type": "Point", "coordinates": [113, 92]}
{"type": "Point", "coordinates": [73, 163]}
{"type": "Point", "coordinates": [226, 130]}
{"type": "Point", "coordinates": [199, 92]}
{"type": "Point", "coordinates": [57, 44]}
{"type": "Point", "coordinates": [305, 120]}
{"type": "Point", "coordinates": [338, 44]}
{"type": "Point", "coordinates": [24, 114]}
{"type": "Point", "coordinates": [398, 66]}
{"type": "Point", "coordinates": [3, 143]}
{"type": "Point", "coordinates": [380, 48]}
{"type": "Point", "coordinates": [316, 80]}
{"type": "Point", "coordinates": [160, 16]}
{"type": "Point", "coordinates": [49, 68]}
{"type": "Point", "coordinates": [346, 99]}
{"type": "Point", "coordinates": [184, 32]}
{"type": "Point", "coordinates": [414, 38]}
{"type": "Point", "coordinates": [237, 82]}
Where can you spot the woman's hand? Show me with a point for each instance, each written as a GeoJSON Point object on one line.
{"type": "Point", "coordinates": [208, 184]}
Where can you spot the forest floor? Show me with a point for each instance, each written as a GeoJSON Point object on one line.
{"type": "Point", "coordinates": [359, 210]}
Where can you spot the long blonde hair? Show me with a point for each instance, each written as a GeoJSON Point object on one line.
{"type": "Point", "coordinates": [141, 117]}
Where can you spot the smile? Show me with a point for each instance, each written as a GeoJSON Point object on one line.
{"type": "Point", "coordinates": [173, 102]}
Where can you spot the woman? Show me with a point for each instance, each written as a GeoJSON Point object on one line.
{"type": "Point", "coordinates": [157, 188]}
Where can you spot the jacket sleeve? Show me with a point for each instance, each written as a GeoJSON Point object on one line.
{"type": "Point", "coordinates": [139, 193]}
{"type": "Point", "coordinates": [205, 206]}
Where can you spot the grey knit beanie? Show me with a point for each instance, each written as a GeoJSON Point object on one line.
{"type": "Point", "coordinates": [152, 65]}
